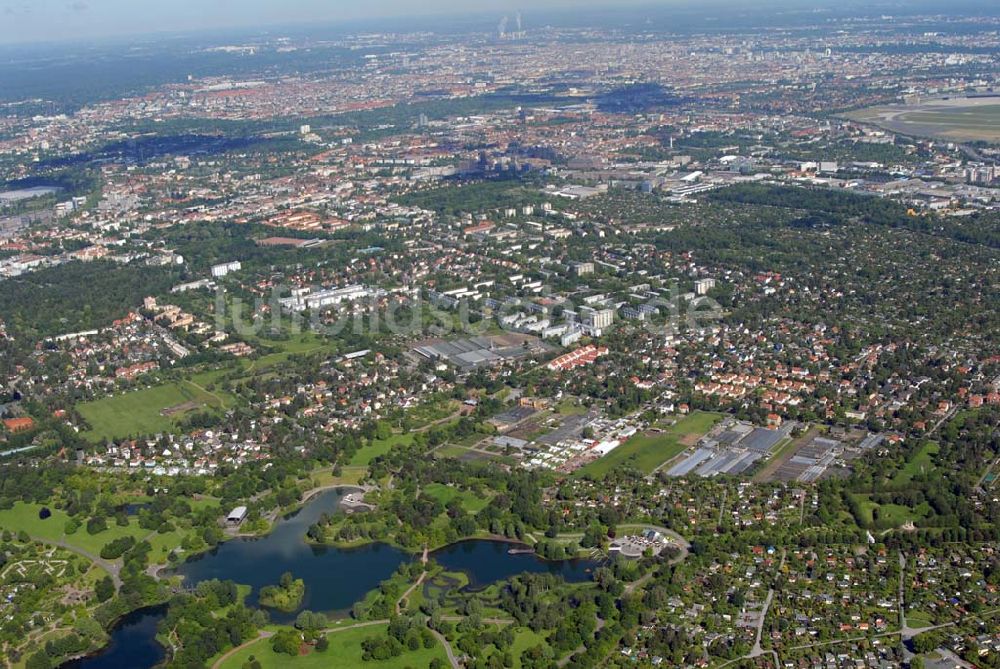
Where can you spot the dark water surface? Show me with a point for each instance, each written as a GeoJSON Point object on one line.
{"type": "Point", "coordinates": [335, 578]}
{"type": "Point", "coordinates": [133, 643]}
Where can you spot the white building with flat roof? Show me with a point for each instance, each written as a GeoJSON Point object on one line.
{"type": "Point", "coordinates": [307, 298]}
{"type": "Point", "coordinates": [237, 515]}
{"type": "Point", "coordinates": [221, 270]}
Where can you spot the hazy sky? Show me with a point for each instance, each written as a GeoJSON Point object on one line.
{"type": "Point", "coordinates": [48, 20]}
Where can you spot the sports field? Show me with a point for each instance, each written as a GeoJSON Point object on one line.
{"type": "Point", "coordinates": [147, 411]}
{"type": "Point", "coordinates": [649, 451]}
{"type": "Point", "coordinates": [958, 119]}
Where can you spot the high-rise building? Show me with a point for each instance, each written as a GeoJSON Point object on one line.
{"type": "Point", "coordinates": [601, 319]}
{"type": "Point", "coordinates": [702, 286]}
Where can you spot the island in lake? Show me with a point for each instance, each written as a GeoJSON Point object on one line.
{"type": "Point", "coordinates": [286, 596]}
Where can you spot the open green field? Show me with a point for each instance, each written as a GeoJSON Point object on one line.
{"type": "Point", "coordinates": [444, 494]}
{"type": "Point", "coordinates": [649, 451]}
{"type": "Point", "coordinates": [348, 476]}
{"type": "Point", "coordinates": [890, 515]}
{"type": "Point", "coordinates": [430, 412]}
{"type": "Point", "coordinates": [450, 451]}
{"type": "Point", "coordinates": [296, 344]}
{"type": "Point", "coordinates": [957, 119]}
{"type": "Point", "coordinates": [344, 653]}
{"type": "Point", "coordinates": [366, 454]}
{"type": "Point", "coordinates": [524, 639]}
{"type": "Point", "coordinates": [148, 410]}
{"type": "Point", "coordinates": [25, 517]}
{"type": "Point", "coordinates": [569, 407]}
{"type": "Point", "coordinates": [921, 462]}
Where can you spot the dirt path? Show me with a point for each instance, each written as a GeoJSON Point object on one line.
{"type": "Point", "coordinates": [406, 595]}
{"type": "Point", "coordinates": [218, 399]}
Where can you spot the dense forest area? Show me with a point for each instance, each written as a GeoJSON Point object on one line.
{"type": "Point", "coordinates": [78, 296]}
{"type": "Point", "coordinates": [841, 207]}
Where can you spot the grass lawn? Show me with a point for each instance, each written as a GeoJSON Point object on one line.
{"type": "Point", "coordinates": [429, 412]}
{"type": "Point", "coordinates": [890, 515]}
{"type": "Point", "coordinates": [348, 476]}
{"type": "Point", "coordinates": [366, 454]}
{"type": "Point", "coordinates": [140, 411]}
{"type": "Point", "coordinates": [305, 342]}
{"type": "Point", "coordinates": [445, 493]}
{"type": "Point", "coordinates": [955, 119]}
{"type": "Point", "coordinates": [524, 639]}
{"type": "Point", "coordinates": [918, 620]}
{"type": "Point", "coordinates": [25, 517]}
{"type": "Point", "coordinates": [298, 344]}
{"type": "Point", "coordinates": [94, 542]}
{"type": "Point", "coordinates": [569, 407]}
{"type": "Point", "coordinates": [162, 544]}
{"type": "Point", "coordinates": [450, 451]}
{"type": "Point", "coordinates": [344, 653]}
{"type": "Point", "coordinates": [649, 451]}
{"type": "Point", "coordinates": [212, 376]}
{"type": "Point", "coordinates": [921, 462]}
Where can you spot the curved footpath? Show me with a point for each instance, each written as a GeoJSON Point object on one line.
{"type": "Point", "coordinates": [264, 634]}
{"type": "Point", "coordinates": [112, 568]}
{"type": "Point", "coordinates": [455, 664]}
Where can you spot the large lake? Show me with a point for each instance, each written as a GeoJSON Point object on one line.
{"type": "Point", "coordinates": [335, 578]}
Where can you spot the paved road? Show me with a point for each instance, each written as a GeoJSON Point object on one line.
{"type": "Point", "coordinates": [315, 491]}
{"type": "Point", "coordinates": [112, 568]}
{"type": "Point", "coordinates": [757, 650]}
{"type": "Point", "coordinates": [954, 659]}
{"type": "Point", "coordinates": [941, 422]}
{"type": "Point", "coordinates": [420, 580]}
{"type": "Point", "coordinates": [452, 659]}
{"type": "Point", "coordinates": [367, 623]}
